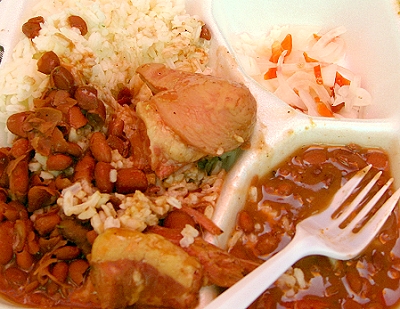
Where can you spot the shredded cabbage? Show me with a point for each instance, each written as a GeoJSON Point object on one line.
{"type": "Point", "coordinates": [303, 68]}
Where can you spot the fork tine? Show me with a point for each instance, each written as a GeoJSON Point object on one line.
{"type": "Point", "coordinates": [378, 219]}
{"type": "Point", "coordinates": [345, 191]}
{"type": "Point", "coordinates": [357, 200]}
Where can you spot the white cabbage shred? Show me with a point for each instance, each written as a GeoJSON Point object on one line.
{"type": "Point", "coordinates": [296, 82]}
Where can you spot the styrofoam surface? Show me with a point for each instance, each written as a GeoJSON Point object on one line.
{"type": "Point", "coordinates": [373, 50]}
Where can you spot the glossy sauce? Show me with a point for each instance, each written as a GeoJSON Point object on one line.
{"type": "Point", "coordinates": [299, 187]}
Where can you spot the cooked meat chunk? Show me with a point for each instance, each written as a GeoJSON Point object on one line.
{"type": "Point", "coordinates": [208, 113]}
{"type": "Point", "coordinates": [129, 267]}
{"type": "Point", "coordinates": [168, 151]}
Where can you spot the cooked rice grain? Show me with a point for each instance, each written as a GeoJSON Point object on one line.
{"type": "Point", "coordinates": [121, 36]}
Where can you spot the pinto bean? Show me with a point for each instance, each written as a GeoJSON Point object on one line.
{"type": "Point", "coordinates": [124, 96]}
{"type": "Point", "coordinates": [99, 147]}
{"type": "Point", "coordinates": [60, 271]}
{"type": "Point", "coordinates": [21, 209]}
{"type": "Point", "coordinates": [48, 62]}
{"type": "Point", "coordinates": [378, 160]}
{"type": "Point", "coordinates": [4, 160]}
{"type": "Point", "coordinates": [348, 160]}
{"type": "Point", "coordinates": [51, 287]}
{"type": "Point", "coordinates": [76, 118]}
{"type": "Point", "coordinates": [18, 175]}
{"type": "Point", "coordinates": [39, 102]}
{"type": "Point", "coordinates": [31, 286]}
{"type": "Point", "coordinates": [62, 182]}
{"type": "Point", "coordinates": [32, 27]}
{"type": "Point", "coordinates": [6, 242]}
{"type": "Point", "coordinates": [116, 126]}
{"type": "Point", "coordinates": [102, 177]}
{"type": "Point", "coordinates": [355, 281]}
{"type": "Point", "coordinates": [74, 149]}
{"type": "Point", "coordinates": [97, 117]}
{"type": "Point", "coordinates": [46, 223]}
{"type": "Point", "coordinates": [58, 162]}
{"type": "Point", "coordinates": [33, 243]}
{"type": "Point", "coordinates": [315, 156]}
{"type": "Point", "coordinates": [67, 253]}
{"type": "Point", "coordinates": [21, 231]}
{"type": "Point", "coordinates": [62, 78]}
{"type": "Point", "coordinates": [3, 192]}
{"type": "Point", "coordinates": [20, 147]}
{"type": "Point", "coordinates": [10, 212]}
{"type": "Point", "coordinates": [91, 236]}
{"type": "Point", "coordinates": [24, 259]}
{"type": "Point", "coordinates": [60, 97]}
{"type": "Point", "coordinates": [267, 243]}
{"type": "Point", "coordinates": [78, 22]}
{"type": "Point", "coordinates": [64, 128]}
{"type": "Point", "coordinates": [15, 276]}
{"type": "Point", "coordinates": [77, 270]}
{"type": "Point", "coordinates": [84, 169]}
{"type": "Point", "coordinates": [15, 123]}
{"type": "Point", "coordinates": [86, 97]}
{"type": "Point", "coordinates": [245, 222]}
{"type": "Point", "coordinates": [205, 33]}
{"type": "Point", "coordinates": [121, 144]}
{"type": "Point", "coordinates": [130, 179]}
{"type": "Point", "coordinates": [40, 196]}
{"type": "Point", "coordinates": [178, 219]}
{"type": "Point", "coordinates": [46, 244]}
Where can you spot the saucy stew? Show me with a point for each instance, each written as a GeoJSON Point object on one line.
{"type": "Point", "coordinates": [299, 187]}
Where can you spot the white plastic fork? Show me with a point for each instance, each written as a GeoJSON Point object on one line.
{"type": "Point", "coordinates": [320, 234]}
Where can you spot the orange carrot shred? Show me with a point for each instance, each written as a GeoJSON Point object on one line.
{"type": "Point", "coordinates": [322, 109]}
{"type": "Point", "coordinates": [277, 48]}
{"type": "Point", "coordinates": [341, 81]}
{"type": "Point", "coordinates": [316, 36]}
{"type": "Point", "coordinates": [309, 59]}
{"type": "Point", "coordinates": [287, 44]}
{"type": "Point", "coordinates": [271, 73]}
{"type": "Point", "coordinates": [318, 74]}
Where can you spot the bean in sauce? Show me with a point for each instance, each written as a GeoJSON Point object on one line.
{"type": "Point", "coordinates": [299, 187]}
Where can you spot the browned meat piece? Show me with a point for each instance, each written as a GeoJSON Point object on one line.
{"type": "Point", "coordinates": [168, 152]}
{"type": "Point", "coordinates": [211, 114]}
{"type": "Point", "coordinates": [128, 267]}
{"type": "Point", "coordinates": [193, 115]}
{"type": "Point", "coordinates": [220, 268]}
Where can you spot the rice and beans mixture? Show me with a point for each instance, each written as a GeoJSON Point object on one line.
{"type": "Point", "coordinates": [67, 176]}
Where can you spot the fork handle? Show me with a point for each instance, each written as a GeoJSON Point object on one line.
{"type": "Point", "coordinates": [245, 291]}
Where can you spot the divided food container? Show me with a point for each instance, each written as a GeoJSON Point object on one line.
{"type": "Point", "coordinates": [373, 51]}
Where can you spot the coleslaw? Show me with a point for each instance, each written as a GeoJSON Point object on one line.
{"type": "Point", "coordinates": [305, 69]}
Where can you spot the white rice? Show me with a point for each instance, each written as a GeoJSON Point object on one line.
{"type": "Point", "coordinates": [138, 211]}
{"type": "Point", "coordinates": [121, 36]}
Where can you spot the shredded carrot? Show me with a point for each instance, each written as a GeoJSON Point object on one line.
{"type": "Point", "coordinates": [322, 109]}
{"type": "Point", "coordinates": [287, 44]}
{"type": "Point", "coordinates": [278, 48]}
{"type": "Point", "coordinates": [318, 74]}
{"type": "Point", "coordinates": [271, 73]}
{"type": "Point", "coordinates": [309, 59]}
{"type": "Point", "coordinates": [340, 80]}
{"type": "Point", "coordinates": [316, 36]}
